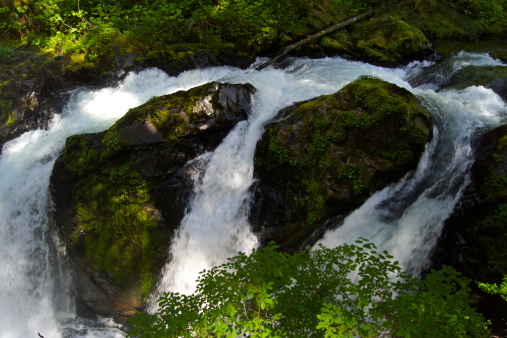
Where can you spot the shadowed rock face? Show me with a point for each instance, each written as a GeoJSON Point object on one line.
{"type": "Point", "coordinates": [325, 157]}
{"type": "Point", "coordinates": [474, 241]}
{"type": "Point", "coordinates": [120, 194]}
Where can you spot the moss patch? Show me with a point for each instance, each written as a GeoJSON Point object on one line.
{"type": "Point", "coordinates": [117, 229]}
{"type": "Point", "coordinates": [493, 77]}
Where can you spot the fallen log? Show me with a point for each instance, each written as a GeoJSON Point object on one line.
{"type": "Point", "coordinates": [317, 35]}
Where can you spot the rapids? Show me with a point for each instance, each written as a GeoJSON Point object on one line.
{"type": "Point", "coordinates": [405, 219]}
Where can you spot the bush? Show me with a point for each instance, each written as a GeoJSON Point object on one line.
{"type": "Point", "coordinates": [496, 289]}
{"type": "Point", "coordinates": [349, 291]}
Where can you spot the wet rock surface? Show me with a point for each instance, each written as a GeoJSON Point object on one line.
{"type": "Point", "coordinates": [324, 157]}
{"type": "Point", "coordinates": [474, 238]}
{"type": "Point", "coordinates": [120, 194]}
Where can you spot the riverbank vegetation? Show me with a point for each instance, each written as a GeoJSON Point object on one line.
{"type": "Point", "coordinates": [349, 291]}
{"type": "Point", "coordinates": [86, 30]}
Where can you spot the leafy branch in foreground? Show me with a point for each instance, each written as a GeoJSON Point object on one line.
{"type": "Point", "coordinates": [495, 289]}
{"type": "Point", "coordinates": [348, 291]}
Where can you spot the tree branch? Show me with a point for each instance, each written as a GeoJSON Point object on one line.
{"type": "Point", "coordinates": [317, 35]}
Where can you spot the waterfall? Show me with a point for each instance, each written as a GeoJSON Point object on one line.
{"type": "Point", "coordinates": [34, 286]}
{"type": "Point", "coordinates": [216, 227]}
{"type": "Point", "coordinates": [405, 218]}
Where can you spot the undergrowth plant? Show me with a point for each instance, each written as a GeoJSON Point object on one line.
{"type": "Point", "coordinates": [496, 289]}
{"type": "Point", "coordinates": [70, 27]}
{"type": "Point", "coordinates": [348, 291]}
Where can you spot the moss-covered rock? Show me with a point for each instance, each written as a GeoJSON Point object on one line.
{"type": "Point", "coordinates": [327, 155]}
{"type": "Point", "coordinates": [493, 77]}
{"type": "Point", "coordinates": [494, 46]}
{"type": "Point", "coordinates": [119, 194]}
{"type": "Point", "coordinates": [385, 39]}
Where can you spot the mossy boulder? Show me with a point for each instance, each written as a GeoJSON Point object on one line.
{"type": "Point", "coordinates": [382, 39]}
{"type": "Point", "coordinates": [327, 155]}
{"type": "Point", "coordinates": [120, 194]}
{"type": "Point", "coordinates": [493, 77]}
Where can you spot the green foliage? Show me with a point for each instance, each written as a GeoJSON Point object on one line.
{"type": "Point", "coordinates": [352, 171]}
{"type": "Point", "coordinates": [495, 289]}
{"type": "Point", "coordinates": [256, 22]}
{"type": "Point", "coordinates": [5, 52]}
{"type": "Point", "coordinates": [349, 291]}
{"type": "Point", "coordinates": [487, 11]}
{"type": "Point", "coordinates": [72, 27]}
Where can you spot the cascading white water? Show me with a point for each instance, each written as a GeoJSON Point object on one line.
{"type": "Point", "coordinates": [215, 226]}
{"type": "Point", "coordinates": [34, 294]}
{"type": "Point", "coordinates": [406, 219]}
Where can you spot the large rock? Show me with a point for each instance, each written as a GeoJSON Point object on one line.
{"type": "Point", "coordinates": [493, 77]}
{"type": "Point", "coordinates": [119, 194]}
{"type": "Point", "coordinates": [386, 40]}
{"type": "Point", "coordinates": [324, 157]}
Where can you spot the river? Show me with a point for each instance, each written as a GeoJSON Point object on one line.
{"type": "Point", "coordinates": [405, 219]}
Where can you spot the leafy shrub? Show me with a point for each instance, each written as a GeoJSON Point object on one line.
{"type": "Point", "coordinates": [496, 289]}
{"type": "Point", "coordinates": [349, 291]}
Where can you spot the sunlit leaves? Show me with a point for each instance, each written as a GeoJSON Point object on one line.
{"type": "Point", "coordinates": [349, 291]}
{"type": "Point", "coordinates": [496, 289]}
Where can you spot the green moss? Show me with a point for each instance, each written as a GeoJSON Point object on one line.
{"type": "Point", "coordinates": [313, 202]}
{"type": "Point", "coordinates": [6, 114]}
{"type": "Point", "coordinates": [120, 236]}
{"type": "Point", "coordinates": [350, 171]}
{"type": "Point", "coordinates": [79, 155]}
{"type": "Point", "coordinates": [117, 233]}
{"type": "Point", "coordinates": [174, 116]}
{"type": "Point", "coordinates": [387, 38]}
